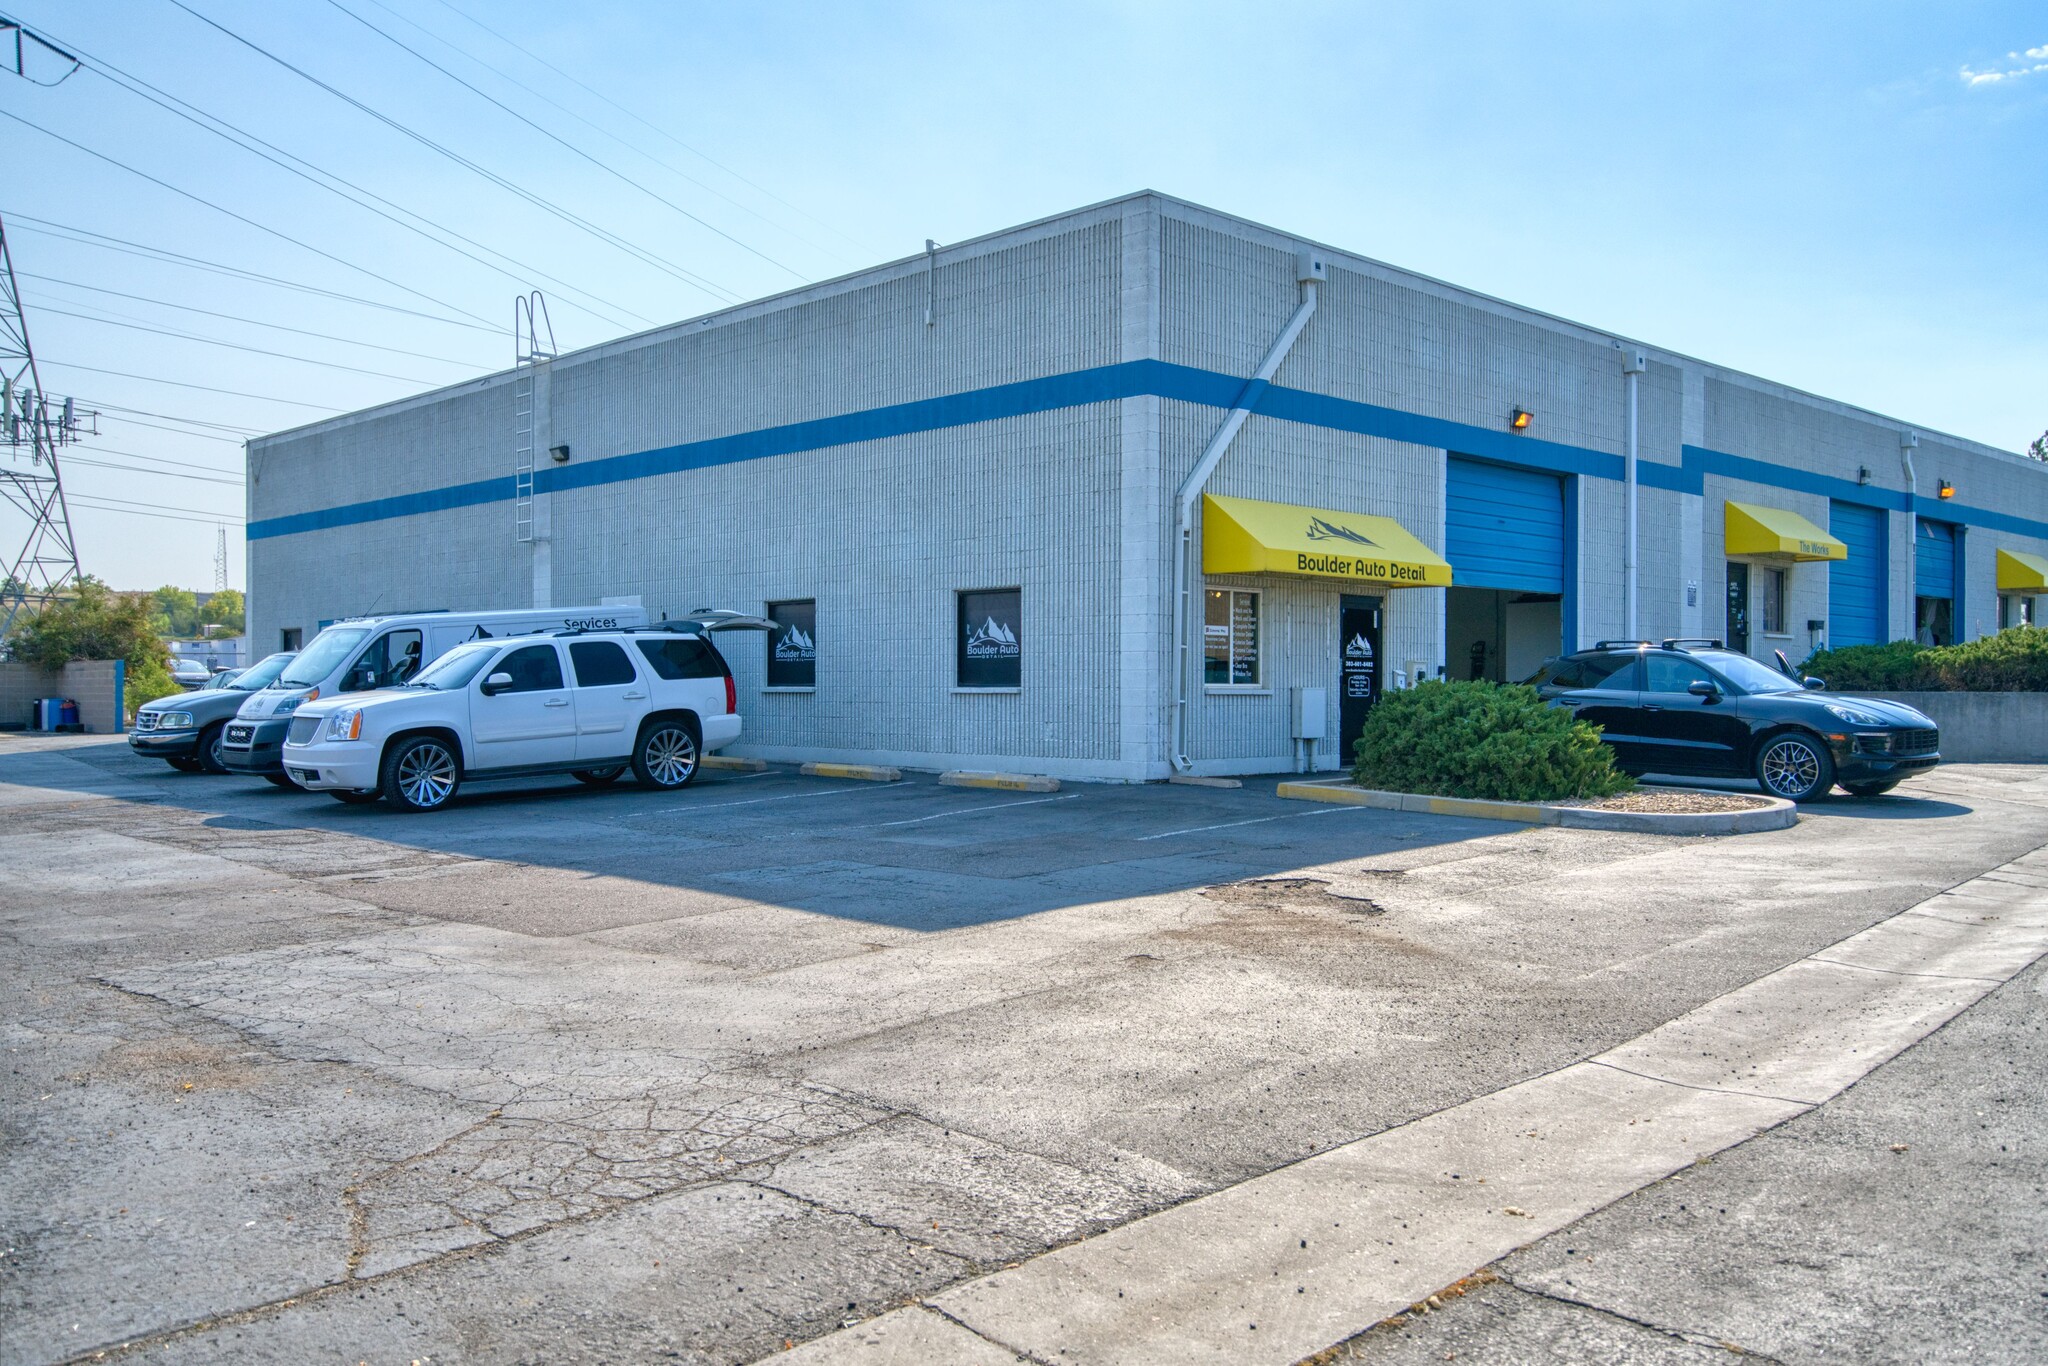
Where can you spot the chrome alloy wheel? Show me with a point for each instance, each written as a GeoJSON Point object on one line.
{"type": "Point", "coordinates": [426, 775]}
{"type": "Point", "coordinates": [1790, 768]}
{"type": "Point", "coordinates": [670, 755]}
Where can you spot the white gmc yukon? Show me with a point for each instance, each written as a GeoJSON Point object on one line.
{"type": "Point", "coordinates": [587, 703]}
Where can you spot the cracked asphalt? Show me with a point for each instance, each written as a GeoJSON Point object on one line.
{"type": "Point", "coordinates": [573, 1075]}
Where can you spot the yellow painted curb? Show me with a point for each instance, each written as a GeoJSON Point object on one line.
{"type": "Point", "coordinates": [738, 765]}
{"type": "Point", "coordinates": [867, 773]}
{"type": "Point", "coordinates": [1002, 782]}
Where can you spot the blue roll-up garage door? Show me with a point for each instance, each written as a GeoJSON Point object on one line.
{"type": "Point", "coordinates": [1504, 528]}
{"type": "Point", "coordinates": [1857, 586]}
{"type": "Point", "coordinates": [1934, 560]}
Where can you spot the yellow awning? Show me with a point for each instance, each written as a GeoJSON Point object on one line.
{"type": "Point", "coordinates": [1753, 530]}
{"type": "Point", "coordinates": [2019, 572]}
{"type": "Point", "coordinates": [1246, 536]}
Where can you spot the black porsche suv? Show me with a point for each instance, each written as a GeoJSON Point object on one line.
{"type": "Point", "coordinates": [1694, 707]}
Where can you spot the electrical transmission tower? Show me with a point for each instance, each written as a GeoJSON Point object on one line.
{"type": "Point", "coordinates": [35, 425]}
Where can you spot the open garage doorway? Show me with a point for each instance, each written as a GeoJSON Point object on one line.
{"type": "Point", "coordinates": [1498, 634]}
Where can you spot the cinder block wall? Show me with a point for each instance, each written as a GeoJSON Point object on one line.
{"type": "Point", "coordinates": [94, 684]}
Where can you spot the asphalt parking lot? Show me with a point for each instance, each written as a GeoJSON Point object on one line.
{"type": "Point", "coordinates": [574, 1074]}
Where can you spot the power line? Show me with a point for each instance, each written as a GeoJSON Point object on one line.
{"type": "Point", "coordinates": [117, 411]}
{"type": "Point", "coordinates": [242, 138]}
{"type": "Point", "coordinates": [138, 470]}
{"type": "Point", "coordinates": [180, 384]}
{"type": "Point", "coordinates": [166, 460]}
{"type": "Point", "coordinates": [237, 346]}
{"type": "Point", "coordinates": [237, 318]}
{"type": "Point", "coordinates": [600, 129]}
{"type": "Point", "coordinates": [564, 142]}
{"type": "Point", "coordinates": [239, 218]}
{"type": "Point", "coordinates": [693, 151]}
{"type": "Point", "coordinates": [203, 519]}
{"type": "Point", "coordinates": [64, 232]}
{"type": "Point", "coordinates": [160, 507]}
{"type": "Point", "coordinates": [602, 234]}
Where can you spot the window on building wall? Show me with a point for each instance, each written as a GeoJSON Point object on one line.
{"type": "Point", "coordinates": [1770, 599]}
{"type": "Point", "coordinates": [793, 644]}
{"type": "Point", "coordinates": [2015, 609]}
{"type": "Point", "coordinates": [290, 638]}
{"type": "Point", "coordinates": [988, 635]}
{"type": "Point", "coordinates": [1230, 638]}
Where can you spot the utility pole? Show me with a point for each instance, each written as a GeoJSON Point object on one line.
{"type": "Point", "coordinates": [220, 559]}
{"type": "Point", "coordinates": [36, 423]}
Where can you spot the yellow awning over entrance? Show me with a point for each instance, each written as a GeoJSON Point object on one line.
{"type": "Point", "coordinates": [1753, 530]}
{"type": "Point", "coordinates": [2019, 572]}
{"type": "Point", "coordinates": [1246, 536]}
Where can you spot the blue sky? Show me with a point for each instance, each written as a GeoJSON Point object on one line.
{"type": "Point", "coordinates": [1850, 198]}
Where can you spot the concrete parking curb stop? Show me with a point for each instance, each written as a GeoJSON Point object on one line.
{"type": "Point", "coordinates": [1001, 782]}
{"type": "Point", "coordinates": [1778, 814]}
{"type": "Point", "coordinates": [736, 765]}
{"type": "Point", "coordinates": [1188, 780]}
{"type": "Point", "coordinates": [867, 773]}
{"type": "Point", "coordinates": [1285, 1264]}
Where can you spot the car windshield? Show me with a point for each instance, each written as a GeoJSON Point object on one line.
{"type": "Point", "coordinates": [260, 675]}
{"type": "Point", "coordinates": [1748, 675]}
{"type": "Point", "coordinates": [328, 649]}
{"type": "Point", "coordinates": [452, 671]}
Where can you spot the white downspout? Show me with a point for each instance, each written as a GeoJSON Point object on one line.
{"type": "Point", "coordinates": [1633, 363]}
{"type": "Point", "coordinates": [1310, 270]}
{"type": "Point", "coordinates": [1908, 441]}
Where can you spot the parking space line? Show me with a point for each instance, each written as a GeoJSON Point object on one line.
{"type": "Point", "coordinates": [756, 801]}
{"type": "Point", "coordinates": [1256, 820]}
{"type": "Point", "coordinates": [968, 811]}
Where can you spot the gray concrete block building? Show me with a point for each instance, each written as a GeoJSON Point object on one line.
{"type": "Point", "coordinates": [1138, 489]}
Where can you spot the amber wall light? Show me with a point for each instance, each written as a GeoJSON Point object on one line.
{"type": "Point", "coordinates": [1520, 419]}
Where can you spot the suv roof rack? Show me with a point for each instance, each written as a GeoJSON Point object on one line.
{"type": "Point", "coordinates": [1680, 642]}
{"type": "Point", "coordinates": [1618, 644]}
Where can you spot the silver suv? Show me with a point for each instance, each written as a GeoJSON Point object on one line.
{"type": "Point", "coordinates": [586, 703]}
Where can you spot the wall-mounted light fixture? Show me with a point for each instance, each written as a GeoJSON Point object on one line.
{"type": "Point", "coordinates": [1520, 419]}
{"type": "Point", "coordinates": [1947, 490]}
{"type": "Point", "coordinates": [559, 454]}
{"type": "Point", "coordinates": [1863, 474]}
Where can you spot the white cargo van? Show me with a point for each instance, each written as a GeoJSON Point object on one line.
{"type": "Point", "coordinates": [361, 654]}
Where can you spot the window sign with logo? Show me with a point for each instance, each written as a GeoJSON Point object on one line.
{"type": "Point", "coordinates": [793, 644]}
{"type": "Point", "coordinates": [988, 631]}
{"type": "Point", "coordinates": [1230, 638]}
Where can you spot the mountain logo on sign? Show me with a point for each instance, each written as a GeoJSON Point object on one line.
{"type": "Point", "coordinates": [1358, 648]}
{"type": "Point", "coordinates": [1320, 530]}
{"type": "Point", "coordinates": [796, 646]}
{"type": "Point", "coordinates": [991, 640]}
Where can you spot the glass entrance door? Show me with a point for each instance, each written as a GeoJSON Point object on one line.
{"type": "Point", "coordinates": [1738, 607]}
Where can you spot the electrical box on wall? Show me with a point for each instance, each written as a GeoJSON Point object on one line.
{"type": "Point", "coordinates": [1310, 265]}
{"type": "Point", "coordinates": [1311, 706]}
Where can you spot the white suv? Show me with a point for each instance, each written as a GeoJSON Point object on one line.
{"type": "Point", "coordinates": [587, 703]}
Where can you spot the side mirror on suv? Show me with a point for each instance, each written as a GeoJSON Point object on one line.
{"type": "Point", "coordinates": [497, 683]}
{"type": "Point", "coordinates": [1706, 690]}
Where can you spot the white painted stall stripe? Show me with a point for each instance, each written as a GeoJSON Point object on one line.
{"type": "Point", "coordinates": [1283, 1265]}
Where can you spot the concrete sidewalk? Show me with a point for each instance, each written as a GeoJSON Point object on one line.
{"type": "Point", "coordinates": [1278, 1267]}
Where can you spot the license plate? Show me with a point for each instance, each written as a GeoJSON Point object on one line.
{"type": "Point", "coordinates": [241, 733]}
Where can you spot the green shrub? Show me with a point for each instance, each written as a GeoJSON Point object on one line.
{"type": "Point", "coordinates": [2014, 660]}
{"type": "Point", "coordinates": [146, 682]}
{"type": "Point", "coordinates": [1487, 740]}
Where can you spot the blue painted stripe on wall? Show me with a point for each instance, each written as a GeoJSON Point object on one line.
{"type": "Point", "coordinates": [1108, 383]}
{"type": "Point", "coordinates": [1858, 587]}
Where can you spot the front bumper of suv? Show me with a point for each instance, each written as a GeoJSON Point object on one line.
{"type": "Point", "coordinates": [1871, 756]}
{"type": "Point", "coordinates": [254, 746]}
{"type": "Point", "coordinates": [349, 766]}
{"type": "Point", "coordinates": [165, 744]}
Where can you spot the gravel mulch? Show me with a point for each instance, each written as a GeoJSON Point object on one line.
{"type": "Point", "coordinates": [1651, 799]}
